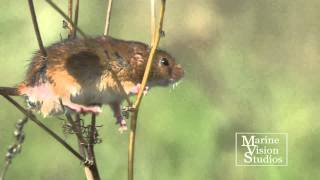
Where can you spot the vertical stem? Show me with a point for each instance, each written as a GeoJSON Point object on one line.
{"type": "Point", "coordinates": [136, 105]}
{"type": "Point", "coordinates": [89, 173]}
{"type": "Point", "coordinates": [151, 55]}
{"type": "Point", "coordinates": [76, 17]}
{"type": "Point", "coordinates": [131, 146]}
{"type": "Point", "coordinates": [36, 28]}
{"type": "Point", "coordinates": [106, 29]}
{"type": "Point", "coordinates": [91, 138]}
{"type": "Point", "coordinates": [75, 129]}
{"type": "Point", "coordinates": [91, 170]}
{"type": "Point", "coordinates": [15, 148]}
{"type": "Point", "coordinates": [79, 128]}
{"type": "Point", "coordinates": [70, 6]}
{"type": "Point", "coordinates": [54, 6]}
{"type": "Point", "coordinates": [4, 170]}
{"type": "Point", "coordinates": [90, 149]}
{"type": "Point", "coordinates": [70, 28]}
{"type": "Point", "coordinates": [153, 22]}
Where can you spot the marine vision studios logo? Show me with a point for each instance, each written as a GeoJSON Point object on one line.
{"type": "Point", "coordinates": [261, 149]}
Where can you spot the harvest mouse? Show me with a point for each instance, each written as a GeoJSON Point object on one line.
{"type": "Point", "coordinates": [84, 74]}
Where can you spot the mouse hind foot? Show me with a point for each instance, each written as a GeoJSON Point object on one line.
{"type": "Point", "coordinates": [78, 108]}
{"type": "Point", "coordinates": [115, 106]}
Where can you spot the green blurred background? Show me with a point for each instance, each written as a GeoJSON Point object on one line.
{"type": "Point", "coordinates": [251, 65]}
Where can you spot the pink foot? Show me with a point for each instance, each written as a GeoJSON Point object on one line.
{"type": "Point", "coordinates": [117, 114]}
{"type": "Point", "coordinates": [83, 109]}
{"type": "Point", "coordinates": [123, 126]}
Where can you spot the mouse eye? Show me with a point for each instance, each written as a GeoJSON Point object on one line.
{"type": "Point", "coordinates": [164, 61]}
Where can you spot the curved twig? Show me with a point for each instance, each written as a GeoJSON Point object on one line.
{"type": "Point", "coordinates": [54, 6]}
{"type": "Point", "coordinates": [136, 105]}
{"type": "Point", "coordinates": [36, 28]}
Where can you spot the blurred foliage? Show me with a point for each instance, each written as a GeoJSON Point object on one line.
{"type": "Point", "coordinates": [251, 65]}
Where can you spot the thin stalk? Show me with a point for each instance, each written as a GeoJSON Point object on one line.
{"type": "Point", "coordinates": [153, 22]}
{"type": "Point", "coordinates": [131, 145]}
{"type": "Point", "coordinates": [76, 17]}
{"type": "Point", "coordinates": [79, 128]}
{"type": "Point", "coordinates": [36, 29]}
{"type": "Point", "coordinates": [106, 29]}
{"type": "Point", "coordinates": [136, 105]}
{"type": "Point", "coordinates": [151, 55]}
{"type": "Point", "coordinates": [33, 118]}
{"type": "Point", "coordinates": [54, 6]}
{"type": "Point", "coordinates": [15, 148]}
{"type": "Point", "coordinates": [70, 29]}
{"type": "Point", "coordinates": [75, 129]}
{"type": "Point", "coordinates": [90, 149]}
{"type": "Point", "coordinates": [83, 151]}
{"type": "Point", "coordinates": [5, 170]}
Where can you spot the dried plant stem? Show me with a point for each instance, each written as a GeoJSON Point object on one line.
{"type": "Point", "coordinates": [70, 7]}
{"type": "Point", "coordinates": [4, 170]}
{"type": "Point", "coordinates": [131, 145]}
{"type": "Point", "coordinates": [106, 29]}
{"type": "Point", "coordinates": [76, 17]}
{"type": "Point", "coordinates": [76, 130]}
{"type": "Point", "coordinates": [90, 149]}
{"type": "Point", "coordinates": [54, 6]}
{"type": "Point", "coordinates": [91, 169]}
{"type": "Point", "coordinates": [153, 20]}
{"type": "Point", "coordinates": [15, 148]}
{"type": "Point", "coordinates": [151, 56]}
{"type": "Point", "coordinates": [79, 128]}
{"type": "Point", "coordinates": [89, 174]}
{"type": "Point", "coordinates": [106, 32]}
{"type": "Point", "coordinates": [136, 105]}
{"type": "Point", "coordinates": [33, 118]}
{"type": "Point", "coordinates": [36, 28]}
{"type": "Point", "coordinates": [70, 11]}
{"type": "Point", "coordinates": [86, 148]}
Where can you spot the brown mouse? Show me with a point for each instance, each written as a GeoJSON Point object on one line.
{"type": "Point", "coordinates": [80, 75]}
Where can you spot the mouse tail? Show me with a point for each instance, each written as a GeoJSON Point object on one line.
{"type": "Point", "coordinates": [9, 91]}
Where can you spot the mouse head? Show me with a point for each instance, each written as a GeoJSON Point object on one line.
{"type": "Point", "coordinates": [165, 70]}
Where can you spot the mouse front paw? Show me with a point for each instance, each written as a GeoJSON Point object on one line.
{"type": "Point", "coordinates": [135, 90]}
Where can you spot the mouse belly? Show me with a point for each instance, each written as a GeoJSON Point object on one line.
{"type": "Point", "coordinates": [45, 99]}
{"type": "Point", "coordinates": [92, 96]}
{"type": "Point", "coordinates": [42, 98]}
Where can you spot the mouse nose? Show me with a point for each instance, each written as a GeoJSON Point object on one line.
{"type": "Point", "coordinates": [177, 72]}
